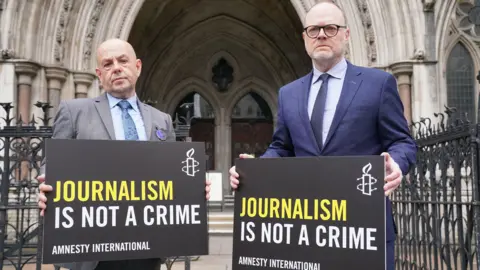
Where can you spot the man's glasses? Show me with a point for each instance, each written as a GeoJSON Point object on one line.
{"type": "Point", "coordinates": [330, 30]}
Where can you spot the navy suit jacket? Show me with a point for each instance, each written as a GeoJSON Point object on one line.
{"type": "Point", "coordinates": [368, 120]}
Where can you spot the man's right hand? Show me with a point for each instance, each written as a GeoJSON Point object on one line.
{"type": "Point", "coordinates": [42, 199]}
{"type": "Point", "coordinates": [234, 182]}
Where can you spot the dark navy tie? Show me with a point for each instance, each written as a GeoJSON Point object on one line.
{"type": "Point", "coordinates": [129, 128]}
{"type": "Point", "coordinates": [319, 109]}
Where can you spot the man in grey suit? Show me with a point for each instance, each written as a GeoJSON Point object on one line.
{"type": "Point", "coordinates": [115, 115]}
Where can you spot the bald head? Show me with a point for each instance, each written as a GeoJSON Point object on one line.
{"type": "Point", "coordinates": [114, 44]}
{"type": "Point", "coordinates": [325, 8]}
{"type": "Point", "coordinates": [118, 67]}
{"type": "Point", "coordinates": [325, 35]}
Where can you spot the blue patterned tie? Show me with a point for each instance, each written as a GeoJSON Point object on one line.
{"type": "Point", "coordinates": [129, 128]}
{"type": "Point", "coordinates": [319, 109]}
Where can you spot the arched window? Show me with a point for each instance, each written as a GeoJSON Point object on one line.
{"type": "Point", "coordinates": [461, 81]}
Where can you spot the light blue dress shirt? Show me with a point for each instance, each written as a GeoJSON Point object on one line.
{"type": "Point", "coordinates": [134, 113]}
{"type": "Point", "coordinates": [335, 85]}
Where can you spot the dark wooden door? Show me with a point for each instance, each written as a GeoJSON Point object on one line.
{"type": "Point", "coordinates": [251, 136]}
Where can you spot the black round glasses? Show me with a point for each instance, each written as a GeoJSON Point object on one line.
{"type": "Point", "coordinates": [330, 30]}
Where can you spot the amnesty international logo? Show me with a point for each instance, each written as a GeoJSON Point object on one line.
{"type": "Point", "coordinates": [190, 164]}
{"type": "Point", "coordinates": [367, 181]}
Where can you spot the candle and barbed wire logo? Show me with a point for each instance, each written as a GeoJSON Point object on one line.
{"type": "Point", "coordinates": [367, 181]}
{"type": "Point", "coordinates": [190, 164]}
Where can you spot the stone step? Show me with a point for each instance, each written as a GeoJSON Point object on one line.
{"type": "Point", "coordinates": [220, 223]}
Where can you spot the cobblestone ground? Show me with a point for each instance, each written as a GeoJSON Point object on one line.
{"type": "Point", "coordinates": [219, 258]}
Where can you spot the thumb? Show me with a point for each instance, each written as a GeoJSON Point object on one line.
{"type": "Point", "coordinates": [387, 156]}
{"type": "Point", "coordinates": [246, 156]}
{"type": "Point", "coordinates": [41, 178]}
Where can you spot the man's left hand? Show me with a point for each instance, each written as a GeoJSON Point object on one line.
{"type": "Point", "coordinates": [394, 174]}
{"type": "Point", "coordinates": [207, 189]}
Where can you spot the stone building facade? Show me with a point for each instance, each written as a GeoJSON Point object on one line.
{"type": "Point", "coordinates": [228, 58]}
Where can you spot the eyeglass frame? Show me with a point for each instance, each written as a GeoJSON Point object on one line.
{"type": "Point", "coordinates": [323, 28]}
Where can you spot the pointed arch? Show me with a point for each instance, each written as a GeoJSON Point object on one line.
{"type": "Point", "coordinates": [256, 86]}
{"type": "Point", "coordinates": [185, 87]}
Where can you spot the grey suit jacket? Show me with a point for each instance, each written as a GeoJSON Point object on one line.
{"type": "Point", "coordinates": [90, 119]}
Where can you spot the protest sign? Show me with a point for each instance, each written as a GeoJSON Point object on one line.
{"type": "Point", "coordinates": [310, 213]}
{"type": "Point", "coordinates": [118, 200]}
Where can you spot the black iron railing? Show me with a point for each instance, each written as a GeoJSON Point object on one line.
{"type": "Point", "coordinates": [21, 152]}
{"type": "Point", "coordinates": [437, 207]}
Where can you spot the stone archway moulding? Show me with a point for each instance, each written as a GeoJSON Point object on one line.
{"type": "Point", "coordinates": [187, 86]}
{"type": "Point", "coordinates": [251, 85]}
{"type": "Point", "coordinates": [80, 26]}
{"type": "Point", "coordinates": [270, 55]}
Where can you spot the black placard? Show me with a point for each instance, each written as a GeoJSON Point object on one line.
{"type": "Point", "coordinates": [146, 200]}
{"type": "Point", "coordinates": [323, 213]}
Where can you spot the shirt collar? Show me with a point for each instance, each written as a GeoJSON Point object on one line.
{"type": "Point", "coordinates": [337, 71]}
{"type": "Point", "coordinates": [113, 101]}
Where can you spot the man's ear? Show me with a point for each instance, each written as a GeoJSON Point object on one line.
{"type": "Point", "coordinates": [138, 65]}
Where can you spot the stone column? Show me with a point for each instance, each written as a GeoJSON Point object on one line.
{"type": "Point", "coordinates": [56, 77]}
{"type": "Point", "coordinates": [82, 81]}
{"type": "Point", "coordinates": [223, 149]}
{"type": "Point", "coordinates": [403, 72]}
{"type": "Point", "coordinates": [25, 71]}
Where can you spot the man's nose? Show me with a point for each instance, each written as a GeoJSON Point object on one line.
{"type": "Point", "coordinates": [321, 34]}
{"type": "Point", "coordinates": [116, 67]}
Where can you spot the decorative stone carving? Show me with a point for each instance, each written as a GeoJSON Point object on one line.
{"type": "Point", "coordinates": [92, 26]}
{"type": "Point", "coordinates": [61, 31]}
{"type": "Point", "coordinates": [467, 17]}
{"type": "Point", "coordinates": [369, 34]}
{"type": "Point", "coordinates": [7, 53]}
{"type": "Point", "coordinates": [428, 5]}
{"type": "Point", "coordinates": [419, 54]}
{"type": "Point", "coordinates": [222, 75]}
{"type": "Point", "coordinates": [124, 18]}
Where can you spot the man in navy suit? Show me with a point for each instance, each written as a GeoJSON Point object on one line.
{"type": "Point", "coordinates": [340, 109]}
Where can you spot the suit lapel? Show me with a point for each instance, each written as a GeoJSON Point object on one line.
{"type": "Point", "coordinates": [350, 87]}
{"type": "Point", "coordinates": [303, 109]}
{"type": "Point", "coordinates": [103, 108]}
{"type": "Point", "coordinates": [147, 119]}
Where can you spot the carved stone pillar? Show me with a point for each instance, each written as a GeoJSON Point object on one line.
{"type": "Point", "coordinates": [403, 71]}
{"type": "Point", "coordinates": [25, 71]}
{"type": "Point", "coordinates": [223, 149]}
{"type": "Point", "coordinates": [82, 82]}
{"type": "Point", "coordinates": [56, 77]}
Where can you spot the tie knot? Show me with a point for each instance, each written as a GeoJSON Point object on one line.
{"type": "Point", "coordinates": [125, 105]}
{"type": "Point", "coordinates": [323, 78]}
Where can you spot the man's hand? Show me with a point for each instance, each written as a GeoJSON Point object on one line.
{"type": "Point", "coordinates": [234, 175]}
{"type": "Point", "coordinates": [394, 174]}
{"type": "Point", "coordinates": [42, 199]}
{"type": "Point", "coordinates": [207, 189]}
